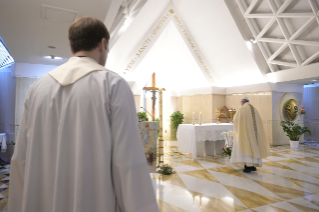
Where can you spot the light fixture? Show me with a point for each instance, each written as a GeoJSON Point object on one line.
{"type": "Point", "coordinates": [314, 80]}
{"type": "Point", "coordinates": [253, 40]}
{"type": "Point", "coordinates": [6, 59]}
{"type": "Point", "coordinates": [53, 57]}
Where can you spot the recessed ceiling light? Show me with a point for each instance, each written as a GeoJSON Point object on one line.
{"type": "Point", "coordinates": [253, 40]}
{"type": "Point", "coordinates": [51, 47]}
{"type": "Point", "coordinates": [53, 57]}
{"type": "Point", "coordinates": [314, 80]}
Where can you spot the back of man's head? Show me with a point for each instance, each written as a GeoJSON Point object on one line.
{"type": "Point", "coordinates": [86, 33]}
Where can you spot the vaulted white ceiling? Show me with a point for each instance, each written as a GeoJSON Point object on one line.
{"type": "Point", "coordinates": [211, 47]}
{"type": "Point", "coordinates": [164, 58]}
{"type": "Point", "coordinates": [208, 29]}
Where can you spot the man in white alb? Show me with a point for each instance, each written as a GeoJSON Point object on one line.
{"type": "Point", "coordinates": [78, 148]}
{"type": "Point", "coordinates": [250, 144]}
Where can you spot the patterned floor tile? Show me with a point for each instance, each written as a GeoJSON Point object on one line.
{"type": "Point", "coordinates": [172, 179]}
{"type": "Point", "coordinates": [166, 207]}
{"type": "Point", "coordinates": [275, 180]}
{"type": "Point", "coordinates": [203, 174]}
{"type": "Point", "coordinates": [5, 192]}
{"type": "Point", "coordinates": [266, 208]}
{"type": "Point", "coordinates": [3, 203]}
{"type": "Point", "coordinates": [191, 163]}
{"type": "Point", "coordinates": [210, 188]}
{"type": "Point", "coordinates": [264, 170]}
{"type": "Point", "coordinates": [303, 202]}
{"type": "Point", "coordinates": [251, 199]}
{"type": "Point", "coordinates": [313, 175]}
{"type": "Point", "coordinates": [312, 187]}
{"type": "Point", "coordinates": [283, 192]}
{"type": "Point", "coordinates": [274, 154]}
{"type": "Point", "coordinates": [242, 183]}
{"type": "Point", "coordinates": [277, 165]}
{"type": "Point", "coordinates": [314, 199]}
{"type": "Point", "coordinates": [179, 167]}
{"type": "Point", "coordinates": [278, 209]}
{"type": "Point", "coordinates": [291, 161]}
{"type": "Point", "coordinates": [213, 160]}
{"type": "Point", "coordinates": [229, 170]}
{"type": "Point", "coordinates": [209, 204]}
{"type": "Point", "coordinates": [288, 181]}
{"type": "Point", "coordinates": [286, 206]}
{"type": "Point", "coordinates": [304, 208]}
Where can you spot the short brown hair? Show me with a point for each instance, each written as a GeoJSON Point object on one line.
{"type": "Point", "coordinates": [86, 33]}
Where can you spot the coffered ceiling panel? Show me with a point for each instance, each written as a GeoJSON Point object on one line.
{"type": "Point", "coordinates": [286, 31]}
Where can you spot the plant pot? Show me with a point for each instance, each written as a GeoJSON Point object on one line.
{"type": "Point", "coordinates": [294, 144]}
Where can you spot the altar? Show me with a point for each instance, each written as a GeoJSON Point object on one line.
{"type": "Point", "coordinates": [196, 139]}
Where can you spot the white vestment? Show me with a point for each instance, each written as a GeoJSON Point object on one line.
{"type": "Point", "coordinates": [250, 143]}
{"type": "Point", "coordinates": [237, 156]}
{"type": "Point", "coordinates": [78, 148]}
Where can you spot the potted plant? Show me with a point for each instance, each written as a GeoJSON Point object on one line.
{"type": "Point", "coordinates": [166, 169]}
{"type": "Point", "coordinates": [177, 118]}
{"type": "Point", "coordinates": [142, 116]}
{"type": "Point", "coordinates": [294, 131]}
{"type": "Point", "coordinates": [226, 152]}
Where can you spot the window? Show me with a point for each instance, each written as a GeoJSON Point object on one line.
{"type": "Point", "coordinates": [5, 57]}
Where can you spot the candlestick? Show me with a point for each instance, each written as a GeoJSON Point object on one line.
{"type": "Point", "coordinates": [193, 117]}
{"type": "Point", "coordinates": [200, 118]}
{"type": "Point", "coordinates": [217, 115]}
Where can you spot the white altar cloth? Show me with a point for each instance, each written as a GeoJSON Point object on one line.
{"type": "Point", "coordinates": [3, 142]}
{"type": "Point", "coordinates": [188, 135]}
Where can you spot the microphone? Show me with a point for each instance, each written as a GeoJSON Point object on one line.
{"type": "Point", "coordinates": [147, 112]}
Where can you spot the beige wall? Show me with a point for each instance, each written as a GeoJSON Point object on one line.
{"type": "Point", "coordinates": [311, 104]}
{"type": "Point", "coordinates": [268, 105]}
{"type": "Point", "coordinates": [137, 100]}
{"type": "Point", "coordinates": [262, 101]}
{"type": "Point", "coordinates": [206, 104]}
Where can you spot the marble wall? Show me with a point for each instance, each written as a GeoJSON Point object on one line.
{"type": "Point", "coordinates": [262, 101]}
{"type": "Point", "coordinates": [267, 103]}
{"type": "Point", "coordinates": [279, 137]}
{"type": "Point", "coordinates": [7, 102]}
{"type": "Point", "coordinates": [311, 104]}
{"type": "Point", "coordinates": [206, 104]}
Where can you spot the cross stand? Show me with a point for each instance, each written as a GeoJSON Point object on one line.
{"type": "Point", "coordinates": [154, 89]}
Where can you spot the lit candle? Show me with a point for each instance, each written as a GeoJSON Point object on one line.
{"type": "Point", "coordinates": [193, 117]}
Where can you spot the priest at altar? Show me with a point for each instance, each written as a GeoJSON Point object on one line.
{"type": "Point", "coordinates": [250, 144]}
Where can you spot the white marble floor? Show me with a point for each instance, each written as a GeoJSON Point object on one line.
{"type": "Point", "coordinates": [288, 181]}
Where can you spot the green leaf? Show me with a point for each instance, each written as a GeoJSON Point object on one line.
{"type": "Point", "coordinates": [293, 131]}
{"type": "Point", "coordinates": [142, 116]}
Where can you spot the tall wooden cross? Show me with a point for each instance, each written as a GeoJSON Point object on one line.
{"type": "Point", "coordinates": [153, 89]}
